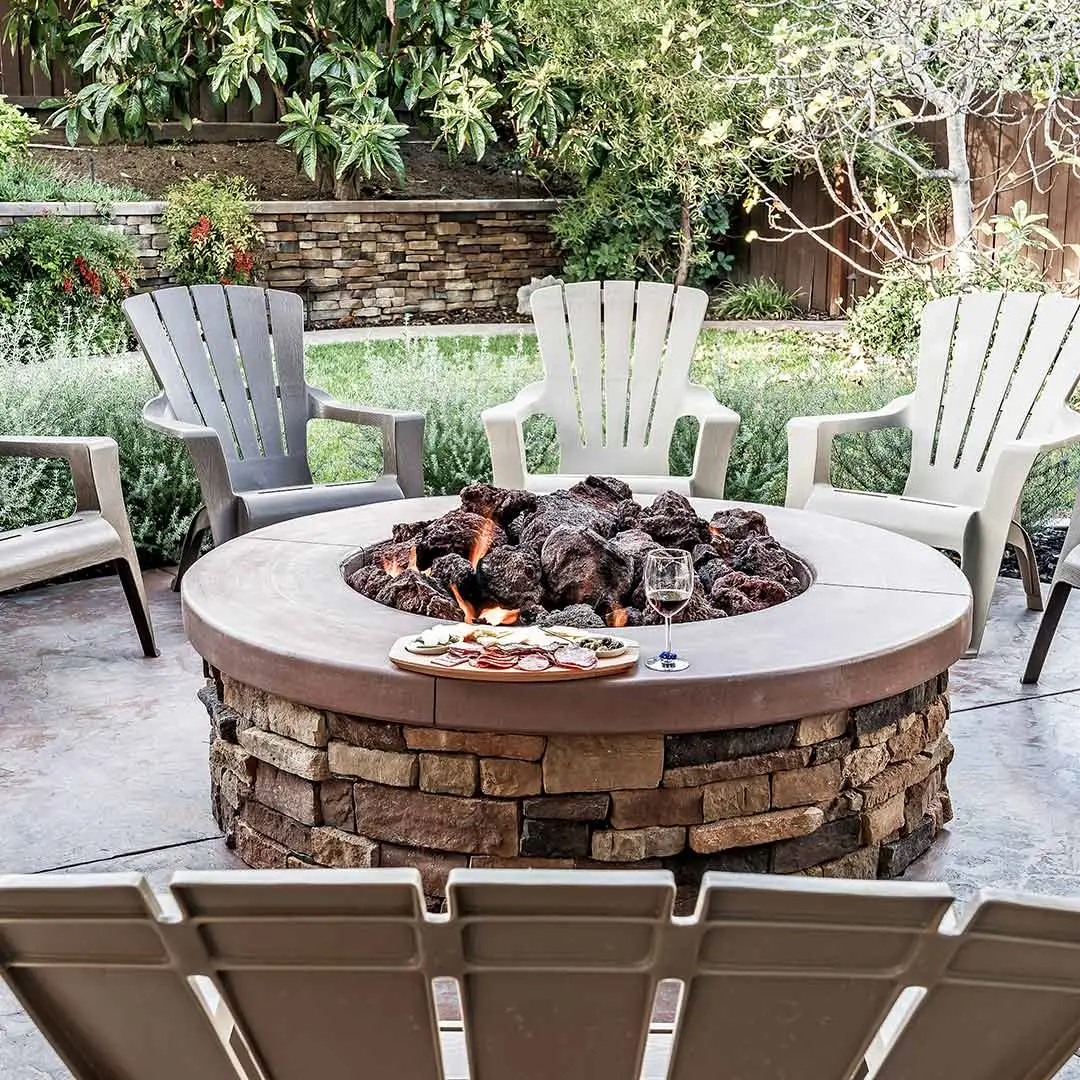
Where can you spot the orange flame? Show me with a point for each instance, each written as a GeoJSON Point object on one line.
{"type": "Point", "coordinates": [493, 616]}
{"type": "Point", "coordinates": [467, 610]}
{"type": "Point", "coordinates": [481, 544]}
{"type": "Point", "coordinates": [617, 617]}
{"type": "Point", "coordinates": [498, 616]}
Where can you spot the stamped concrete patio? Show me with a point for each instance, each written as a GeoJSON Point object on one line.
{"type": "Point", "coordinates": [103, 758]}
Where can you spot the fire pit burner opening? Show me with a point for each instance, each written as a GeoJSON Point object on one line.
{"type": "Point", "coordinates": [573, 558]}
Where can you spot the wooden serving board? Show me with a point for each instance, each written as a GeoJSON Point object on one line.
{"type": "Point", "coordinates": [409, 661]}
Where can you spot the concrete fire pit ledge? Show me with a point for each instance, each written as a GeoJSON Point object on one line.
{"type": "Point", "coordinates": [809, 737]}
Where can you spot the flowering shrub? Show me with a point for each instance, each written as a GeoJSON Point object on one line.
{"type": "Point", "coordinates": [212, 236]}
{"type": "Point", "coordinates": [68, 271]}
{"type": "Point", "coordinates": [16, 131]}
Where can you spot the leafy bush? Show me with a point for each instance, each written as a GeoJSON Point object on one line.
{"type": "Point", "coordinates": [619, 226]}
{"type": "Point", "coordinates": [16, 131]}
{"type": "Point", "coordinates": [38, 181]}
{"type": "Point", "coordinates": [74, 271]}
{"type": "Point", "coordinates": [212, 235]}
{"type": "Point", "coordinates": [89, 396]}
{"type": "Point", "coordinates": [762, 298]}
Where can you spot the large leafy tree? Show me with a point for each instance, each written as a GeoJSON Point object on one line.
{"type": "Point", "coordinates": [858, 91]}
{"type": "Point", "coordinates": [344, 72]}
{"type": "Point", "coordinates": [638, 115]}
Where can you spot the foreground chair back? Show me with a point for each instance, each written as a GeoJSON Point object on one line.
{"type": "Point", "coordinates": [96, 534]}
{"type": "Point", "coordinates": [995, 374]}
{"type": "Point", "coordinates": [292, 976]}
{"type": "Point", "coordinates": [616, 379]}
{"type": "Point", "coordinates": [230, 362]}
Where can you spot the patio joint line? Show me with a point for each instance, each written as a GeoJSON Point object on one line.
{"type": "Point", "coordinates": [1015, 701]}
{"type": "Point", "coordinates": [129, 854]}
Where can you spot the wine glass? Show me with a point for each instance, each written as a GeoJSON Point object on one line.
{"type": "Point", "coordinates": [669, 584]}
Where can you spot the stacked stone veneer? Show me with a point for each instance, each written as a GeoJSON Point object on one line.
{"type": "Point", "coordinates": [354, 261]}
{"type": "Point", "coordinates": [859, 793]}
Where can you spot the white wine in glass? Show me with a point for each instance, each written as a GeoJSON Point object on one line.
{"type": "Point", "coordinates": [669, 584]}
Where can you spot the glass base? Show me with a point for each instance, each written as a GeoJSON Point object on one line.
{"type": "Point", "coordinates": [668, 662]}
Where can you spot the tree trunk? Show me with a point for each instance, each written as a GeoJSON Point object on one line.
{"type": "Point", "coordinates": [963, 205]}
{"type": "Point", "coordinates": [686, 242]}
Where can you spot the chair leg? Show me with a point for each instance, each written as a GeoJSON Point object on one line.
{"type": "Point", "coordinates": [1024, 549]}
{"type": "Point", "coordinates": [982, 576]}
{"type": "Point", "coordinates": [193, 541]}
{"type": "Point", "coordinates": [131, 579]}
{"type": "Point", "coordinates": [1059, 594]}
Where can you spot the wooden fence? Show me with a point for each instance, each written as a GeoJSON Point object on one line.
{"type": "Point", "coordinates": [826, 282]}
{"type": "Point", "coordinates": [25, 84]}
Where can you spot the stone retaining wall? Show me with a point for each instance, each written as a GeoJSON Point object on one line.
{"type": "Point", "coordinates": [859, 793]}
{"type": "Point", "coordinates": [354, 261]}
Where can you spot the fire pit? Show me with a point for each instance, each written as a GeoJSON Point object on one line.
{"type": "Point", "coordinates": [806, 737]}
{"type": "Point", "coordinates": [573, 558]}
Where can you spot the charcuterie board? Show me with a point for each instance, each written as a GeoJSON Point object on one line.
{"type": "Point", "coordinates": [522, 655]}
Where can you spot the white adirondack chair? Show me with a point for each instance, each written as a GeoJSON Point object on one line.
{"type": "Point", "coordinates": [288, 975]}
{"type": "Point", "coordinates": [995, 373]}
{"type": "Point", "coordinates": [616, 378]}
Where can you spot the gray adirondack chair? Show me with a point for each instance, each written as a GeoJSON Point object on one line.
{"type": "Point", "coordinates": [279, 975]}
{"type": "Point", "coordinates": [96, 534]}
{"type": "Point", "coordinates": [230, 362]}
{"type": "Point", "coordinates": [617, 358]}
{"type": "Point", "coordinates": [996, 371]}
{"type": "Point", "coordinates": [1066, 578]}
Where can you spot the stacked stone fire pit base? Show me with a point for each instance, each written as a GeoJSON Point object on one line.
{"type": "Point", "coordinates": [858, 793]}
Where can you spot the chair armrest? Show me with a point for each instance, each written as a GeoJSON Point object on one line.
{"type": "Point", "coordinates": [95, 471]}
{"type": "Point", "coordinates": [810, 444]}
{"type": "Point", "coordinates": [506, 438]}
{"type": "Point", "coordinates": [402, 432]}
{"type": "Point", "coordinates": [718, 426]}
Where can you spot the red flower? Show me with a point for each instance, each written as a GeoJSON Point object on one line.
{"type": "Point", "coordinates": [201, 230]}
{"type": "Point", "coordinates": [243, 262]}
{"type": "Point", "coordinates": [67, 284]}
{"type": "Point", "coordinates": [125, 279]}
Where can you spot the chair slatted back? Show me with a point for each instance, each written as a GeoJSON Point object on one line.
{"type": "Point", "coordinates": [330, 973]}
{"type": "Point", "coordinates": [231, 358]}
{"type": "Point", "coordinates": [617, 361]}
{"type": "Point", "coordinates": [993, 367]}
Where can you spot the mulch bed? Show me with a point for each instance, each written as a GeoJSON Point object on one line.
{"type": "Point", "coordinates": [429, 174]}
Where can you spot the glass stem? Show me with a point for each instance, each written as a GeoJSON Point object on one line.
{"type": "Point", "coordinates": [667, 634]}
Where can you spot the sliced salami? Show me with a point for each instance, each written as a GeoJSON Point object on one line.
{"type": "Point", "coordinates": [449, 660]}
{"type": "Point", "coordinates": [572, 657]}
{"type": "Point", "coordinates": [534, 662]}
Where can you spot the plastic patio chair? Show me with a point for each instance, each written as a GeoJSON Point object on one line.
{"type": "Point", "coordinates": [995, 373]}
{"type": "Point", "coordinates": [616, 378]}
{"type": "Point", "coordinates": [97, 533]}
{"type": "Point", "coordinates": [249, 975]}
{"type": "Point", "coordinates": [230, 362]}
{"type": "Point", "coordinates": [1066, 578]}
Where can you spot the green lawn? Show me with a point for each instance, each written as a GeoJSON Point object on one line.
{"type": "Point", "coordinates": [766, 376]}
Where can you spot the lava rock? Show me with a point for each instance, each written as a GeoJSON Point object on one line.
{"type": "Point", "coordinates": [408, 531]}
{"type": "Point", "coordinates": [704, 553]}
{"type": "Point", "coordinates": [456, 533]}
{"type": "Point", "coordinates": [450, 570]}
{"type": "Point", "coordinates": [511, 575]}
{"type": "Point", "coordinates": [603, 491]}
{"type": "Point", "coordinates": [581, 567]}
{"type": "Point", "coordinates": [391, 553]}
{"type": "Point", "coordinates": [556, 510]}
{"type": "Point", "coordinates": [415, 593]}
{"type": "Point", "coordinates": [500, 504]}
{"type": "Point", "coordinates": [698, 609]}
{"type": "Point", "coordinates": [762, 556]}
{"type": "Point", "coordinates": [738, 524]}
{"type": "Point", "coordinates": [579, 616]}
{"type": "Point", "coordinates": [739, 594]}
{"type": "Point", "coordinates": [368, 580]}
{"type": "Point", "coordinates": [708, 572]}
{"type": "Point", "coordinates": [627, 514]}
{"type": "Point", "coordinates": [672, 522]}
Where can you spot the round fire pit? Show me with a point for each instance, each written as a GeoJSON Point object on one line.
{"type": "Point", "coordinates": [807, 737]}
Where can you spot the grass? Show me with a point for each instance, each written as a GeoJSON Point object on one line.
{"type": "Point", "coordinates": [37, 181]}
